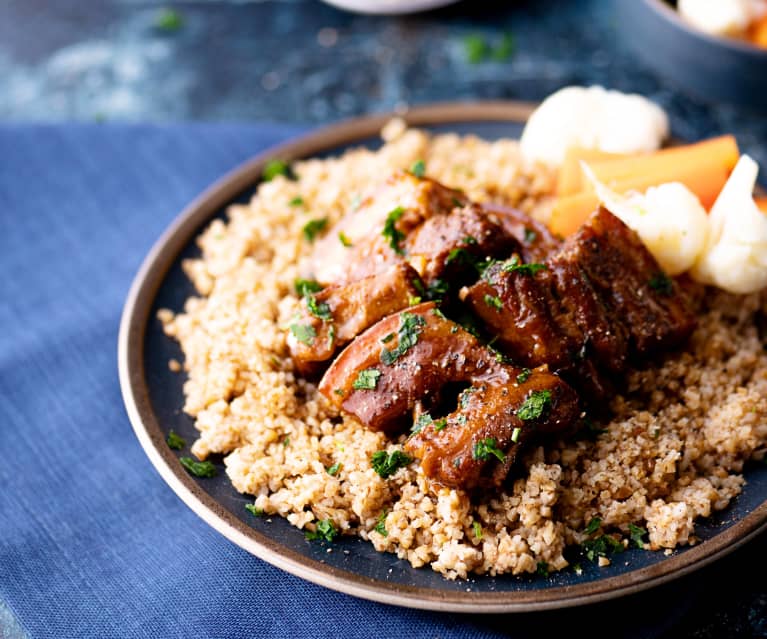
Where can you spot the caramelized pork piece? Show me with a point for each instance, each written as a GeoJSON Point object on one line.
{"type": "Point", "coordinates": [492, 424]}
{"type": "Point", "coordinates": [535, 239]}
{"type": "Point", "coordinates": [335, 315]}
{"type": "Point", "coordinates": [407, 360]}
{"type": "Point", "coordinates": [450, 247]}
{"type": "Point", "coordinates": [375, 227]}
{"type": "Point", "coordinates": [650, 305]}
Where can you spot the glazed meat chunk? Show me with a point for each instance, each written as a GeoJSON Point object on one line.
{"type": "Point", "coordinates": [335, 315]}
{"type": "Point", "coordinates": [536, 241]}
{"type": "Point", "coordinates": [653, 309]}
{"type": "Point", "coordinates": [408, 361]}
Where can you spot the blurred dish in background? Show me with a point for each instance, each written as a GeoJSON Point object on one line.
{"type": "Point", "coordinates": [714, 68]}
{"type": "Point", "coordinates": [388, 7]}
{"type": "Point", "coordinates": [742, 19]}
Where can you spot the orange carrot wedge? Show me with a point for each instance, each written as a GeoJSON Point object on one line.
{"type": "Point", "coordinates": [662, 165]}
{"type": "Point", "coordinates": [572, 210]}
{"type": "Point", "coordinates": [571, 180]}
{"type": "Point", "coordinates": [758, 32]}
{"type": "Point", "coordinates": [761, 202]}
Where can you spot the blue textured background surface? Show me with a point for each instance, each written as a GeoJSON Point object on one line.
{"type": "Point", "coordinates": [92, 543]}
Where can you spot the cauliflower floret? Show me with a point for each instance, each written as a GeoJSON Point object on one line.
{"type": "Point", "coordinates": [669, 219]}
{"type": "Point", "coordinates": [592, 118]}
{"type": "Point", "coordinates": [722, 17]}
{"type": "Point", "coordinates": [735, 257]}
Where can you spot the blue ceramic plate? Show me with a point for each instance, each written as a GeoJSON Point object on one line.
{"type": "Point", "coordinates": [153, 397]}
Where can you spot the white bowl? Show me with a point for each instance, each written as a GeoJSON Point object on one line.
{"type": "Point", "coordinates": [388, 7]}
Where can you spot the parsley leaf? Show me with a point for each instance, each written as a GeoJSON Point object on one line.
{"type": "Point", "coordinates": [515, 434]}
{"type": "Point", "coordinates": [304, 333]}
{"type": "Point", "coordinates": [486, 447]}
{"type": "Point", "coordinates": [273, 168]}
{"type": "Point", "coordinates": [440, 424]}
{"type": "Point", "coordinates": [661, 283]}
{"type": "Point", "coordinates": [325, 530]}
{"type": "Point", "coordinates": [515, 266]}
{"type": "Point", "coordinates": [390, 231]}
{"type": "Point", "coordinates": [344, 239]}
{"type": "Point", "coordinates": [593, 525]}
{"type": "Point", "coordinates": [494, 301]}
{"type": "Point", "coordinates": [424, 419]}
{"type": "Point", "coordinates": [333, 470]}
{"type": "Point", "coordinates": [542, 569]}
{"type": "Point", "coordinates": [505, 48]}
{"type": "Point", "coordinates": [475, 48]}
{"type": "Point", "coordinates": [477, 530]}
{"type": "Point", "coordinates": [296, 201]}
{"type": "Point", "coordinates": [409, 328]}
{"type": "Point", "coordinates": [380, 527]}
{"type": "Point", "coordinates": [524, 375]}
{"type": "Point", "coordinates": [601, 546]}
{"type": "Point", "coordinates": [168, 20]}
{"type": "Point", "coordinates": [386, 464]}
{"type": "Point", "coordinates": [320, 310]}
{"type": "Point", "coordinates": [198, 468]}
{"type": "Point", "coordinates": [367, 379]}
{"type": "Point", "coordinates": [175, 441]}
{"type": "Point", "coordinates": [418, 169]}
{"type": "Point", "coordinates": [535, 405]}
{"type": "Point", "coordinates": [530, 236]}
{"type": "Point", "coordinates": [636, 533]}
{"type": "Point", "coordinates": [313, 227]}
{"type": "Point", "coordinates": [305, 287]}
{"type": "Point", "coordinates": [254, 510]}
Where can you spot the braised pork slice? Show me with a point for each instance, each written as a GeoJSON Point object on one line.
{"type": "Point", "coordinates": [408, 360]}
{"type": "Point", "coordinates": [536, 241]}
{"type": "Point", "coordinates": [653, 309]}
{"type": "Point", "coordinates": [373, 231]}
{"type": "Point", "coordinates": [334, 316]}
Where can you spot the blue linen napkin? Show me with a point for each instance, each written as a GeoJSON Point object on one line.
{"type": "Point", "coordinates": [92, 541]}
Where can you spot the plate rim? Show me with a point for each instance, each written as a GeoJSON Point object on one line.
{"type": "Point", "coordinates": [134, 389]}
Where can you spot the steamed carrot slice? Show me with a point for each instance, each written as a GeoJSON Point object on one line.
{"type": "Point", "coordinates": [573, 210]}
{"type": "Point", "coordinates": [571, 180]}
{"type": "Point", "coordinates": [761, 202]}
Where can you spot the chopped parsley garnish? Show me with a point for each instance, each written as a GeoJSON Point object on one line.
{"type": "Point", "coordinates": [505, 48]}
{"type": "Point", "coordinates": [273, 168]}
{"type": "Point", "coordinates": [325, 530]}
{"type": "Point", "coordinates": [465, 397]}
{"type": "Point", "coordinates": [304, 333]}
{"type": "Point", "coordinates": [515, 266]}
{"type": "Point", "coordinates": [515, 434]}
{"type": "Point", "coordinates": [390, 231]}
{"type": "Point", "coordinates": [254, 510]}
{"type": "Point", "coordinates": [437, 289]}
{"type": "Point", "coordinates": [320, 310]}
{"type": "Point", "coordinates": [542, 569]}
{"type": "Point", "coordinates": [494, 301]}
{"type": "Point", "coordinates": [486, 447]}
{"type": "Point", "coordinates": [530, 236]}
{"type": "Point", "coordinates": [661, 283]}
{"type": "Point", "coordinates": [418, 169]}
{"type": "Point", "coordinates": [344, 239]}
{"type": "Point", "coordinates": [636, 533]}
{"type": "Point", "coordinates": [367, 379]}
{"type": "Point", "coordinates": [168, 20]}
{"type": "Point", "coordinates": [535, 405]}
{"type": "Point", "coordinates": [477, 530]}
{"type": "Point", "coordinates": [175, 441]}
{"type": "Point", "coordinates": [593, 525]}
{"type": "Point", "coordinates": [380, 527]}
{"type": "Point", "coordinates": [296, 201]}
{"type": "Point", "coordinates": [339, 392]}
{"type": "Point", "coordinates": [286, 441]}
{"type": "Point", "coordinates": [305, 287]}
{"type": "Point", "coordinates": [424, 419]}
{"type": "Point", "coordinates": [461, 419]}
{"type": "Point", "coordinates": [475, 48]}
{"type": "Point", "coordinates": [439, 424]}
{"type": "Point", "coordinates": [412, 300]}
{"type": "Point", "coordinates": [386, 464]}
{"type": "Point", "coordinates": [524, 376]}
{"type": "Point", "coordinates": [387, 338]}
{"type": "Point", "coordinates": [409, 328]}
{"type": "Point", "coordinates": [313, 227]}
{"type": "Point", "coordinates": [333, 470]}
{"type": "Point", "coordinates": [601, 546]}
{"type": "Point", "coordinates": [470, 239]}
{"type": "Point", "coordinates": [198, 468]}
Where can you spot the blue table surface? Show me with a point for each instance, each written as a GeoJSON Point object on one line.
{"type": "Point", "coordinates": [299, 61]}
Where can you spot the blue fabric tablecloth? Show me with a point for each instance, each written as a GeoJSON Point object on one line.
{"type": "Point", "coordinates": [92, 542]}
